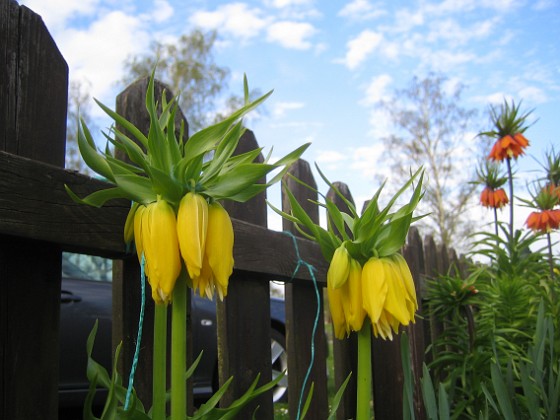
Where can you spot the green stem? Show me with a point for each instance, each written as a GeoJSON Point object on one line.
{"type": "Point", "coordinates": [510, 178]}
{"type": "Point", "coordinates": [159, 362]}
{"type": "Point", "coordinates": [550, 258]}
{"type": "Point", "coordinates": [364, 380]}
{"type": "Point", "coordinates": [496, 226]}
{"type": "Point", "coordinates": [179, 350]}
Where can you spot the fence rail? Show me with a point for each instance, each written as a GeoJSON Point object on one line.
{"type": "Point", "coordinates": [38, 220]}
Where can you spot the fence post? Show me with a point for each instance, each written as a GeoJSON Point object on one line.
{"type": "Point", "coordinates": [131, 104]}
{"type": "Point", "coordinates": [301, 311]}
{"type": "Point", "coordinates": [244, 316]}
{"type": "Point", "coordinates": [413, 252]}
{"type": "Point", "coordinates": [33, 92]}
{"type": "Point", "coordinates": [345, 352]}
{"type": "Point", "coordinates": [431, 270]}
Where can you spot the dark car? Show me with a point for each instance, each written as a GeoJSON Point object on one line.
{"type": "Point", "coordinates": [86, 297]}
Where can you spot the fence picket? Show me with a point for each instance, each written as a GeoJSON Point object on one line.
{"type": "Point", "coordinates": [301, 310]}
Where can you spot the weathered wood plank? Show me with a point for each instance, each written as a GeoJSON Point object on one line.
{"type": "Point", "coordinates": [244, 316]}
{"type": "Point", "coordinates": [34, 204]}
{"type": "Point", "coordinates": [33, 88]}
{"type": "Point", "coordinates": [345, 352]}
{"type": "Point", "coordinates": [414, 255]}
{"type": "Point", "coordinates": [301, 313]}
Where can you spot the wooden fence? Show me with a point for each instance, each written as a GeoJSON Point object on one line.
{"type": "Point", "coordinates": [38, 221]}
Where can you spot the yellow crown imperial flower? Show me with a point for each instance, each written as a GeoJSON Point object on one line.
{"type": "Point", "coordinates": [339, 267]}
{"type": "Point", "coordinates": [388, 294]}
{"type": "Point", "coordinates": [219, 246]}
{"type": "Point", "coordinates": [354, 307]}
{"type": "Point", "coordinates": [156, 237]}
{"type": "Point", "coordinates": [346, 302]}
{"type": "Point", "coordinates": [192, 224]}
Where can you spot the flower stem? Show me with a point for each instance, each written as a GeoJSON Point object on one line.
{"type": "Point", "coordinates": [364, 380]}
{"type": "Point", "coordinates": [179, 350]}
{"type": "Point", "coordinates": [550, 258]}
{"type": "Point", "coordinates": [510, 179]}
{"type": "Point", "coordinates": [159, 362]}
{"type": "Point", "coordinates": [496, 226]}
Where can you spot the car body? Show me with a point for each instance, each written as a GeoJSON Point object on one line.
{"type": "Point", "coordinates": [86, 298]}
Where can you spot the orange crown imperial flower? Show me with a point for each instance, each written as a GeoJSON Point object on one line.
{"type": "Point", "coordinates": [544, 221]}
{"type": "Point", "coordinates": [509, 125]}
{"type": "Point", "coordinates": [495, 199]}
{"type": "Point", "coordinates": [508, 147]}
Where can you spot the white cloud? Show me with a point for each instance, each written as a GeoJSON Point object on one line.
{"type": "Point", "coordinates": [280, 4]}
{"type": "Point", "coordinates": [533, 95]}
{"type": "Point", "coordinates": [405, 20]}
{"type": "Point", "coordinates": [162, 10]}
{"type": "Point", "coordinates": [331, 159]}
{"type": "Point", "coordinates": [380, 124]}
{"type": "Point", "coordinates": [360, 47]}
{"type": "Point", "coordinates": [55, 13]}
{"type": "Point", "coordinates": [365, 159]}
{"type": "Point", "coordinates": [96, 53]}
{"type": "Point", "coordinates": [360, 10]}
{"type": "Point", "coordinates": [377, 89]}
{"type": "Point", "coordinates": [281, 108]}
{"type": "Point", "coordinates": [234, 19]}
{"type": "Point", "coordinates": [291, 34]}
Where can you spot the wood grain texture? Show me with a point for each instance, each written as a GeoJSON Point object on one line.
{"type": "Point", "coordinates": [301, 309]}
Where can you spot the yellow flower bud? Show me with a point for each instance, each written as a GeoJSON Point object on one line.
{"type": "Point", "coordinates": [192, 223]}
{"type": "Point", "coordinates": [395, 302]}
{"type": "Point", "coordinates": [374, 288]}
{"type": "Point", "coordinates": [162, 249]}
{"type": "Point", "coordinates": [354, 306]}
{"type": "Point", "coordinates": [339, 268]}
{"type": "Point", "coordinates": [138, 232]}
{"type": "Point", "coordinates": [337, 312]}
{"type": "Point", "coordinates": [219, 246]}
{"type": "Point", "coordinates": [129, 224]}
{"type": "Point", "coordinates": [406, 276]}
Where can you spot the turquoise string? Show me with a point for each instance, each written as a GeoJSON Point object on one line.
{"type": "Point", "coordinates": [311, 270]}
{"type": "Point", "coordinates": [139, 336]}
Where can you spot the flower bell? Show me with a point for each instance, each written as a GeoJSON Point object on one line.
{"type": "Point", "coordinates": [219, 247]}
{"type": "Point", "coordinates": [192, 225]}
{"type": "Point", "coordinates": [339, 268]}
{"type": "Point", "coordinates": [155, 232]}
{"type": "Point", "coordinates": [493, 198]}
{"type": "Point", "coordinates": [388, 294]}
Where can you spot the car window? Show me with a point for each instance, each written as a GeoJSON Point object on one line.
{"type": "Point", "coordinates": [86, 267]}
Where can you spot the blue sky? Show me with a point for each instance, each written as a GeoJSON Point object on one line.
{"type": "Point", "coordinates": [330, 62]}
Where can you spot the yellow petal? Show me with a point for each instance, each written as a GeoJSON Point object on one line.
{"type": "Point", "coordinates": [408, 281]}
{"type": "Point", "coordinates": [192, 224]}
{"type": "Point", "coordinates": [146, 222]}
{"type": "Point", "coordinates": [337, 312]}
{"type": "Point", "coordinates": [339, 268]}
{"type": "Point", "coordinates": [374, 288]}
{"type": "Point", "coordinates": [202, 281]}
{"type": "Point", "coordinates": [383, 326]}
{"type": "Point", "coordinates": [138, 232]}
{"type": "Point", "coordinates": [356, 313]}
{"type": "Point", "coordinates": [165, 264]}
{"type": "Point", "coordinates": [219, 245]}
{"type": "Point", "coordinates": [129, 224]}
{"type": "Point", "coordinates": [395, 303]}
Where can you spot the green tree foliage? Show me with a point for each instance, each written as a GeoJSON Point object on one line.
{"type": "Point", "coordinates": [431, 131]}
{"type": "Point", "coordinates": [187, 66]}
